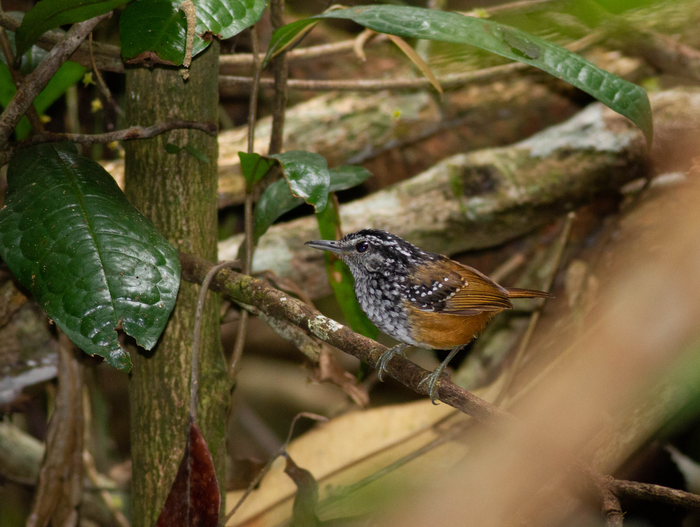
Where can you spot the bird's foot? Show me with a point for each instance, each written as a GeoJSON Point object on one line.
{"type": "Point", "coordinates": [387, 356]}
{"type": "Point", "coordinates": [432, 382]}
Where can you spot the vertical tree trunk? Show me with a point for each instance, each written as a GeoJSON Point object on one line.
{"type": "Point", "coordinates": [177, 192]}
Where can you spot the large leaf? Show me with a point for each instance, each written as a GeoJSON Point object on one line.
{"type": "Point", "coordinates": [308, 176]}
{"type": "Point", "coordinates": [49, 14]}
{"type": "Point", "coordinates": [153, 29]}
{"type": "Point", "coordinates": [225, 17]}
{"type": "Point", "coordinates": [90, 259]}
{"type": "Point", "coordinates": [624, 97]}
{"type": "Point", "coordinates": [278, 198]}
{"type": "Point", "coordinates": [275, 201]}
{"type": "Point", "coordinates": [347, 176]}
{"type": "Point", "coordinates": [254, 166]}
{"type": "Point", "coordinates": [159, 26]}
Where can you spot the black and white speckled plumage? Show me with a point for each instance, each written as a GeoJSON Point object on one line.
{"type": "Point", "coordinates": [382, 280]}
{"type": "Point", "coordinates": [419, 298]}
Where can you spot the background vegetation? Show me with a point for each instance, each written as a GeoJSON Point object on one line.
{"type": "Point", "coordinates": [427, 129]}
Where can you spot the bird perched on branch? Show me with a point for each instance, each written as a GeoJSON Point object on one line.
{"type": "Point", "coordinates": [419, 298]}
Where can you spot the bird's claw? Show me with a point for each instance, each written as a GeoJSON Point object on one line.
{"type": "Point", "coordinates": [387, 356]}
{"type": "Point", "coordinates": [432, 382]}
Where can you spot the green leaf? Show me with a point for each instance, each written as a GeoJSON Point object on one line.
{"type": "Point", "coordinates": [275, 201]}
{"type": "Point", "coordinates": [286, 36]}
{"type": "Point", "coordinates": [308, 176]}
{"type": "Point", "coordinates": [254, 166]}
{"type": "Point", "coordinates": [624, 97]}
{"type": "Point", "coordinates": [347, 176]}
{"type": "Point", "coordinates": [160, 27]}
{"type": "Point", "coordinates": [50, 14]}
{"type": "Point", "coordinates": [67, 75]}
{"type": "Point", "coordinates": [154, 29]}
{"type": "Point", "coordinates": [90, 259]}
{"type": "Point", "coordinates": [224, 17]}
{"type": "Point", "coordinates": [340, 277]}
{"type": "Point", "coordinates": [278, 198]}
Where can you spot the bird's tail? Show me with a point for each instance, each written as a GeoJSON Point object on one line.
{"type": "Point", "coordinates": [516, 292]}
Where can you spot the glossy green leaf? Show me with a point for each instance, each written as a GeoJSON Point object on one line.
{"type": "Point", "coordinates": [624, 97]}
{"type": "Point", "coordinates": [50, 14]}
{"type": "Point", "coordinates": [347, 176]}
{"type": "Point", "coordinates": [308, 176]}
{"type": "Point", "coordinates": [278, 198]}
{"type": "Point", "coordinates": [90, 259]}
{"type": "Point", "coordinates": [275, 201]}
{"type": "Point", "coordinates": [225, 17]}
{"type": "Point", "coordinates": [160, 27]}
{"type": "Point", "coordinates": [286, 36]}
{"type": "Point", "coordinates": [339, 275]}
{"type": "Point", "coordinates": [254, 166]}
{"type": "Point", "coordinates": [154, 29]}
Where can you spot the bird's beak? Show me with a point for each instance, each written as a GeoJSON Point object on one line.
{"type": "Point", "coordinates": [326, 245]}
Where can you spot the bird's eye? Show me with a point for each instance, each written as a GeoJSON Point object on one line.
{"type": "Point", "coordinates": [361, 247]}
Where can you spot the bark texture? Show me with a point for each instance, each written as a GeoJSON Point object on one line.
{"type": "Point", "coordinates": [177, 192]}
{"type": "Point", "coordinates": [487, 197]}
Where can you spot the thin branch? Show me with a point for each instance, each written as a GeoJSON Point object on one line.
{"type": "Point", "coordinates": [247, 257]}
{"type": "Point", "coordinates": [107, 57]}
{"type": "Point", "coordinates": [455, 80]}
{"type": "Point", "coordinates": [610, 506]}
{"type": "Point", "coordinates": [18, 78]}
{"type": "Point", "coordinates": [451, 81]}
{"type": "Point", "coordinates": [282, 451]}
{"type": "Point", "coordinates": [275, 303]}
{"type": "Point", "coordinates": [194, 377]}
{"type": "Point", "coordinates": [128, 134]}
{"type": "Point", "coordinates": [301, 54]}
{"type": "Point", "coordinates": [101, 82]}
{"type": "Point", "coordinates": [40, 77]}
{"type": "Point", "coordinates": [280, 68]}
{"type": "Point", "coordinates": [657, 493]}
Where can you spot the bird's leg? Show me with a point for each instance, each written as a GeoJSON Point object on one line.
{"type": "Point", "coordinates": [433, 379]}
{"type": "Point", "coordinates": [387, 356]}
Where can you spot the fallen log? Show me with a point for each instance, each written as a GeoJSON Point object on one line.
{"type": "Point", "coordinates": [487, 197]}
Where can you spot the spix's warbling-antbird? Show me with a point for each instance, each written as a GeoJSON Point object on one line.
{"type": "Point", "coordinates": [419, 298]}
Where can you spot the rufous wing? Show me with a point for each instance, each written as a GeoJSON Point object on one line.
{"type": "Point", "coordinates": [449, 287]}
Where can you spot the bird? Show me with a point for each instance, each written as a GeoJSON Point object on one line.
{"type": "Point", "coordinates": [419, 298]}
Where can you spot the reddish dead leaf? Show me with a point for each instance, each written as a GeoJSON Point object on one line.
{"type": "Point", "coordinates": [194, 498]}
{"type": "Point", "coordinates": [306, 500]}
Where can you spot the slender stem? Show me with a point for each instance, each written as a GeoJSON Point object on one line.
{"type": "Point", "coordinates": [18, 78]}
{"type": "Point", "coordinates": [455, 80]}
{"type": "Point", "coordinates": [282, 451]}
{"type": "Point", "coordinates": [128, 134]}
{"type": "Point", "coordinates": [40, 77]}
{"type": "Point", "coordinates": [101, 82]}
{"type": "Point", "coordinates": [194, 379]}
{"type": "Point", "coordinates": [248, 208]}
{"type": "Point", "coordinates": [280, 67]}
